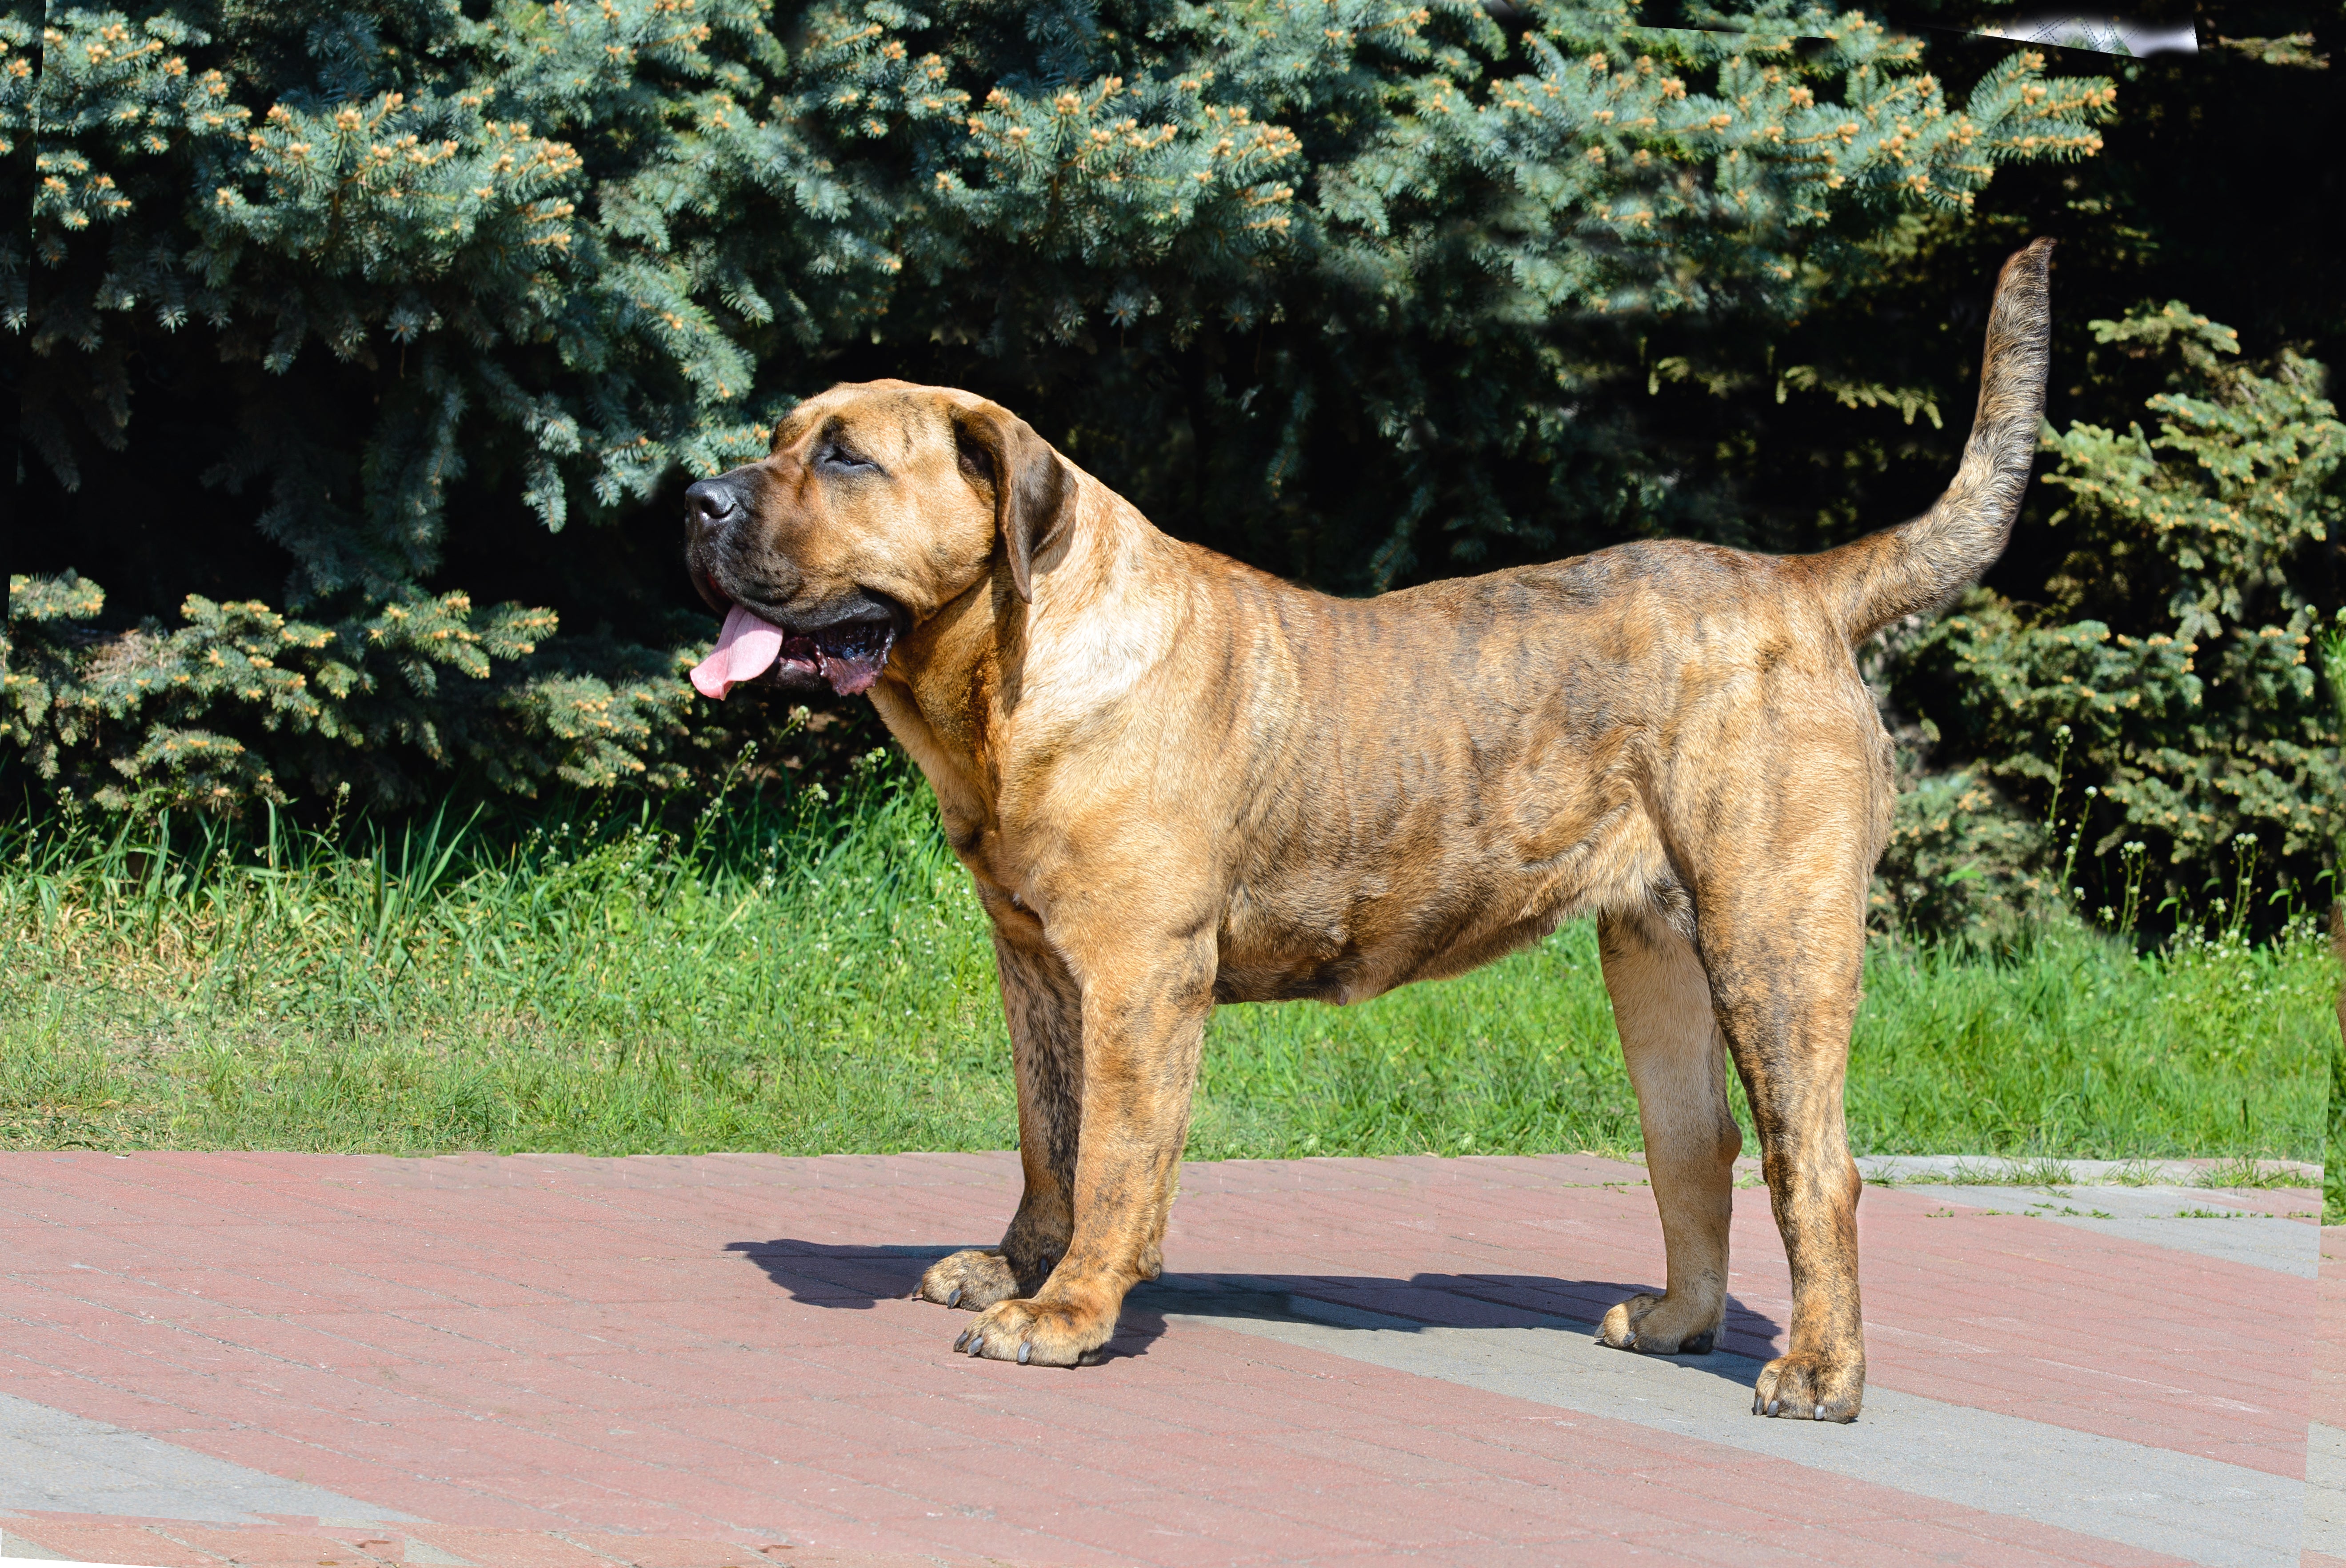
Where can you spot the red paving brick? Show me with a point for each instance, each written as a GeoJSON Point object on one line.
{"type": "Point", "coordinates": [2329, 1396]}
{"type": "Point", "coordinates": [671, 1362]}
{"type": "Point", "coordinates": [2325, 1545]}
{"type": "Point", "coordinates": [109, 1542]}
{"type": "Point", "coordinates": [1977, 1286]}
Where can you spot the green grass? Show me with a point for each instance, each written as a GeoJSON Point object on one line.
{"type": "Point", "coordinates": [822, 981]}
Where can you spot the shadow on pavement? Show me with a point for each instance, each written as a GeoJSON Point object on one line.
{"type": "Point", "coordinates": [854, 1277]}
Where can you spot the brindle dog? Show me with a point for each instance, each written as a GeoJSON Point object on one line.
{"type": "Point", "coordinates": [1178, 781]}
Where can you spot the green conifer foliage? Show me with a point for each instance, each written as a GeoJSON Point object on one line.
{"type": "Point", "coordinates": [2201, 725]}
{"type": "Point", "coordinates": [161, 713]}
{"type": "Point", "coordinates": [1331, 286]}
{"type": "Point", "coordinates": [19, 74]}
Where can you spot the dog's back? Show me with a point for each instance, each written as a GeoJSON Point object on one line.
{"type": "Point", "coordinates": [1428, 779]}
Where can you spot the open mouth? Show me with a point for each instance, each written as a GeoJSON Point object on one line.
{"type": "Point", "coordinates": [846, 653]}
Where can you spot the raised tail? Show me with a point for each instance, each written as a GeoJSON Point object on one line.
{"type": "Point", "coordinates": [1920, 566]}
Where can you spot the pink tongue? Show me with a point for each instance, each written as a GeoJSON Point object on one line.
{"type": "Point", "coordinates": [746, 649]}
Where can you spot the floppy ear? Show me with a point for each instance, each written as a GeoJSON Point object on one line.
{"type": "Point", "coordinates": [1034, 493]}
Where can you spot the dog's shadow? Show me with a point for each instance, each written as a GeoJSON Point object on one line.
{"type": "Point", "coordinates": [854, 1278]}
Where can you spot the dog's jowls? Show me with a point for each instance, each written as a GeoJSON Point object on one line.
{"type": "Point", "coordinates": [1178, 781]}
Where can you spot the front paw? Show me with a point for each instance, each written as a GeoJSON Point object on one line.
{"type": "Point", "coordinates": [1037, 1333]}
{"type": "Point", "coordinates": [1809, 1386]}
{"type": "Point", "coordinates": [972, 1280]}
{"type": "Point", "coordinates": [1661, 1325]}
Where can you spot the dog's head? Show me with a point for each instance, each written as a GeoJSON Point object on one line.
{"type": "Point", "coordinates": [881, 502]}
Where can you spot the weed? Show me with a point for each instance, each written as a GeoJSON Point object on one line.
{"type": "Point", "coordinates": [2239, 1171]}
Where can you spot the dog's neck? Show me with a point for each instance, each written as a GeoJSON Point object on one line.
{"type": "Point", "coordinates": [989, 683]}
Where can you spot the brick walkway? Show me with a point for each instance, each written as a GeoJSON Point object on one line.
{"type": "Point", "coordinates": [674, 1362]}
{"type": "Point", "coordinates": [2325, 1445]}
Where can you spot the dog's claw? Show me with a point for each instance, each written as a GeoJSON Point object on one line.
{"type": "Point", "coordinates": [1027, 1349]}
{"type": "Point", "coordinates": [978, 1345]}
{"type": "Point", "coordinates": [1775, 1405]}
{"type": "Point", "coordinates": [954, 1299]}
{"type": "Point", "coordinates": [963, 1342]}
{"type": "Point", "coordinates": [1821, 1412]}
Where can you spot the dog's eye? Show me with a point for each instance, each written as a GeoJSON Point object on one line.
{"type": "Point", "coordinates": [839, 459]}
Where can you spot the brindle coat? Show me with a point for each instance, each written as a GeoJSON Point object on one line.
{"type": "Point", "coordinates": [1178, 781]}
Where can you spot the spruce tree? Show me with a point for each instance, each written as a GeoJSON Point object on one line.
{"type": "Point", "coordinates": [2172, 664]}
{"type": "Point", "coordinates": [365, 290]}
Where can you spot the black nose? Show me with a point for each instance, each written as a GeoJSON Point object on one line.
{"type": "Point", "coordinates": [710, 504]}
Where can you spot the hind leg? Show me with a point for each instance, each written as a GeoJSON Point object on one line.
{"type": "Point", "coordinates": [1785, 957]}
{"type": "Point", "coordinates": [1678, 1064]}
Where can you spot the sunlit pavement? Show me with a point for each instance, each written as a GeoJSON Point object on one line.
{"type": "Point", "coordinates": [678, 1362]}
{"type": "Point", "coordinates": [2325, 1455]}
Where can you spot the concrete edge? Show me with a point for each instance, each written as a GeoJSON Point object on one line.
{"type": "Point", "coordinates": [2000, 1170]}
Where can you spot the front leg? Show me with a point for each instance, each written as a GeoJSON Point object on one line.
{"type": "Point", "coordinates": [1145, 1004]}
{"type": "Point", "coordinates": [1044, 1008]}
